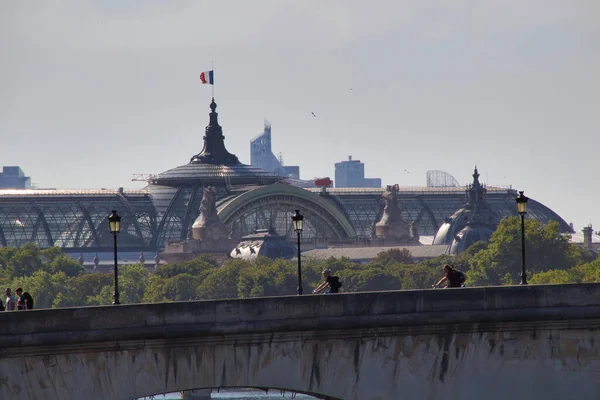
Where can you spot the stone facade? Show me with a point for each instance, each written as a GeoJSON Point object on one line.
{"type": "Point", "coordinates": [521, 342]}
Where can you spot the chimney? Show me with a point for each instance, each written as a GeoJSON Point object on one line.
{"type": "Point", "coordinates": [587, 237]}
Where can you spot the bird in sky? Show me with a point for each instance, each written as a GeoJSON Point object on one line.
{"type": "Point", "coordinates": [313, 114]}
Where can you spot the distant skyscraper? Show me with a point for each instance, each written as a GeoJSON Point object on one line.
{"type": "Point", "coordinates": [14, 178]}
{"type": "Point", "coordinates": [351, 173]}
{"type": "Point", "coordinates": [262, 156]}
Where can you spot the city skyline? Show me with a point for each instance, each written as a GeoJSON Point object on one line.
{"type": "Point", "coordinates": [96, 91]}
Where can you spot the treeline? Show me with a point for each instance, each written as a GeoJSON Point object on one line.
{"type": "Point", "coordinates": [56, 280]}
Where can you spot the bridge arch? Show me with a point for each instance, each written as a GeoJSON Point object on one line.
{"type": "Point", "coordinates": [497, 342]}
{"type": "Point", "coordinates": [271, 207]}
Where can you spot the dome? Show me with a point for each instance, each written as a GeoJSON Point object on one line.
{"type": "Point", "coordinates": [214, 165]}
{"type": "Point", "coordinates": [264, 243]}
{"type": "Point", "coordinates": [473, 222]}
{"type": "Point", "coordinates": [468, 236]}
{"type": "Point", "coordinates": [214, 175]}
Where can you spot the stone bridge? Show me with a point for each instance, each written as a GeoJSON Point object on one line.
{"type": "Point", "coordinates": [527, 342]}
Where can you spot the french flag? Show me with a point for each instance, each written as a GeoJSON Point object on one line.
{"type": "Point", "coordinates": [207, 77]}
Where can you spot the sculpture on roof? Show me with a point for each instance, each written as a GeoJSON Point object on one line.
{"type": "Point", "coordinates": [208, 225]}
{"type": "Point", "coordinates": [391, 227]}
{"type": "Point", "coordinates": [96, 261]}
{"type": "Point", "coordinates": [208, 235]}
{"type": "Point", "coordinates": [214, 151]}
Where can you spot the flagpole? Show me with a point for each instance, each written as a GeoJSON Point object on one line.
{"type": "Point", "coordinates": [213, 85]}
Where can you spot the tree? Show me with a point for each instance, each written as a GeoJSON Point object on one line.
{"type": "Point", "coordinates": [24, 261]}
{"type": "Point", "coordinates": [133, 280]}
{"type": "Point", "coordinates": [50, 254]}
{"type": "Point", "coordinates": [266, 277]}
{"type": "Point", "coordinates": [546, 249]}
{"type": "Point", "coordinates": [589, 272]}
{"type": "Point", "coordinates": [369, 279]}
{"type": "Point", "coordinates": [48, 290]}
{"type": "Point", "coordinates": [419, 276]}
{"type": "Point", "coordinates": [393, 256]}
{"type": "Point", "coordinates": [86, 289]}
{"type": "Point", "coordinates": [222, 283]}
{"type": "Point", "coordinates": [555, 276]}
{"type": "Point", "coordinates": [200, 266]}
{"type": "Point", "coordinates": [64, 263]}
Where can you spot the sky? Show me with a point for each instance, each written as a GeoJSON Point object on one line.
{"type": "Point", "coordinates": [95, 91]}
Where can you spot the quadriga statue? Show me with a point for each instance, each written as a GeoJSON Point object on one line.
{"type": "Point", "coordinates": [391, 227]}
{"type": "Point", "coordinates": [208, 226]}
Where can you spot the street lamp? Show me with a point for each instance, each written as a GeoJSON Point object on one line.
{"type": "Point", "coordinates": [522, 210]}
{"type": "Point", "coordinates": [298, 220]}
{"type": "Point", "coordinates": [114, 224]}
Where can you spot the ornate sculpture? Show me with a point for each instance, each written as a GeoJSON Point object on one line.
{"type": "Point", "coordinates": [414, 232]}
{"type": "Point", "coordinates": [208, 235]}
{"type": "Point", "coordinates": [208, 226]}
{"type": "Point", "coordinates": [391, 226]}
{"type": "Point", "coordinates": [96, 261]}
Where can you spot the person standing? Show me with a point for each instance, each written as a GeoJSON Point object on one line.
{"type": "Point", "coordinates": [10, 301]}
{"type": "Point", "coordinates": [24, 300]}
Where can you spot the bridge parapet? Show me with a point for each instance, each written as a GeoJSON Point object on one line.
{"type": "Point", "coordinates": [451, 309]}
{"type": "Point", "coordinates": [493, 342]}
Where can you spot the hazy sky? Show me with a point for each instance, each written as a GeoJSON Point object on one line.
{"type": "Point", "coordinates": [92, 92]}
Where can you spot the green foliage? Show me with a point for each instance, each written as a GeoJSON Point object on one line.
{"type": "Point", "coordinates": [91, 289]}
{"type": "Point", "coordinates": [419, 276]}
{"type": "Point", "coordinates": [56, 280]}
{"type": "Point", "coordinates": [50, 254]}
{"type": "Point", "coordinates": [222, 282]}
{"type": "Point", "coordinates": [133, 280]}
{"type": "Point", "coordinates": [64, 263]}
{"type": "Point", "coordinates": [265, 277]}
{"type": "Point", "coordinates": [393, 256]}
{"type": "Point", "coordinates": [555, 276]}
{"type": "Point", "coordinates": [200, 266]}
{"type": "Point", "coordinates": [23, 262]}
{"type": "Point", "coordinates": [546, 248]}
{"type": "Point", "coordinates": [589, 272]}
{"type": "Point", "coordinates": [29, 259]}
{"type": "Point", "coordinates": [369, 279]}
{"type": "Point", "coordinates": [45, 288]}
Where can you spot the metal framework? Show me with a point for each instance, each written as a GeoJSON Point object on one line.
{"type": "Point", "coordinates": [77, 219]}
{"type": "Point", "coordinates": [322, 219]}
{"type": "Point", "coordinates": [273, 212]}
{"type": "Point", "coordinates": [439, 179]}
{"type": "Point", "coordinates": [74, 219]}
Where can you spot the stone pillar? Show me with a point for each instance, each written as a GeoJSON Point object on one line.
{"type": "Point", "coordinates": [196, 394]}
{"type": "Point", "coordinates": [587, 237]}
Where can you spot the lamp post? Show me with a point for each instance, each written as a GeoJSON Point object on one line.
{"type": "Point", "coordinates": [114, 224]}
{"type": "Point", "coordinates": [522, 210]}
{"type": "Point", "coordinates": [298, 220]}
